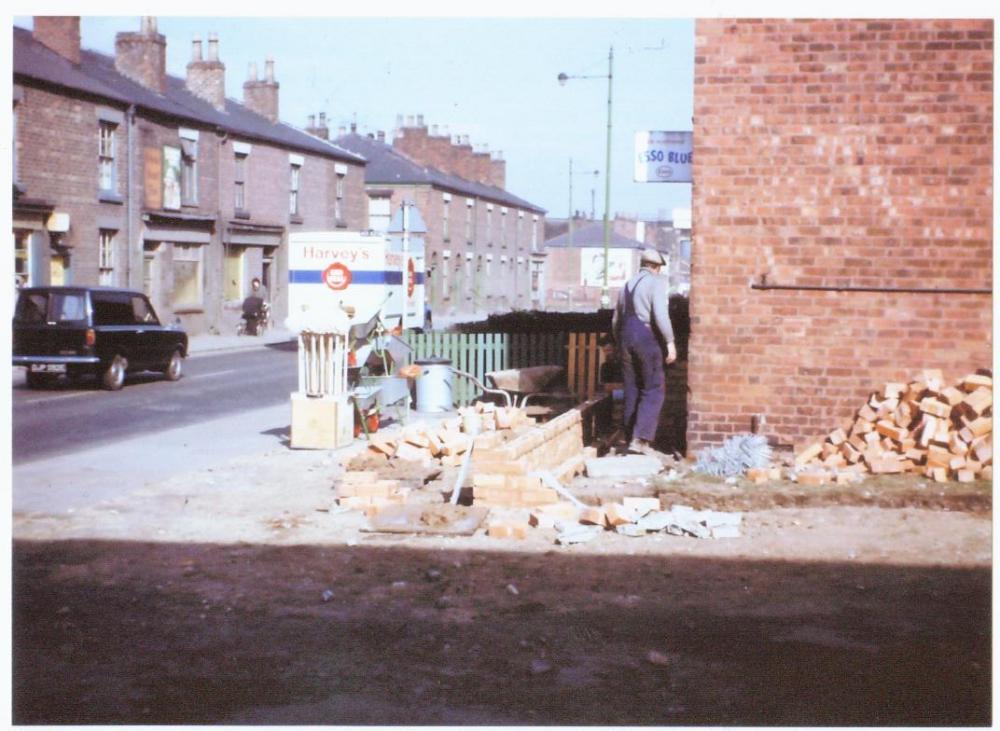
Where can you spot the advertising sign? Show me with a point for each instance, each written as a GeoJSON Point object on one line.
{"type": "Point", "coordinates": [663, 157]}
{"type": "Point", "coordinates": [592, 267]}
{"type": "Point", "coordinates": [171, 177]}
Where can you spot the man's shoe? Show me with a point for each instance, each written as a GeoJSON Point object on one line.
{"type": "Point", "coordinates": [638, 446]}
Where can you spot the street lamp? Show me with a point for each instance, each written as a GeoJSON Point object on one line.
{"type": "Point", "coordinates": [595, 173]}
{"type": "Point", "coordinates": [563, 78]}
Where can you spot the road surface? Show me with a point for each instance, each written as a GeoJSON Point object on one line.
{"type": "Point", "coordinates": [74, 416]}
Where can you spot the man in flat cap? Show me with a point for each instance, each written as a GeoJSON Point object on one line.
{"type": "Point", "coordinates": [645, 339]}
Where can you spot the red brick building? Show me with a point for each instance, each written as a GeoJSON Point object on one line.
{"type": "Point", "coordinates": [127, 176]}
{"type": "Point", "coordinates": [842, 206]}
{"type": "Point", "coordinates": [484, 248]}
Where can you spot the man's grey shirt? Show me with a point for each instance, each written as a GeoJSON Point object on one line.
{"type": "Point", "coordinates": [649, 298]}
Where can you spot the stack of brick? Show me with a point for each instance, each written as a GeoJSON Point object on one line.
{"type": "Point", "coordinates": [501, 472]}
{"type": "Point", "coordinates": [447, 442]}
{"type": "Point", "coordinates": [363, 490]}
{"type": "Point", "coordinates": [919, 427]}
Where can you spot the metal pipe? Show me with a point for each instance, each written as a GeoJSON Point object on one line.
{"type": "Point", "coordinates": [836, 288]}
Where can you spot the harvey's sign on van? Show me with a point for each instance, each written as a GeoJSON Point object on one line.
{"type": "Point", "coordinates": [663, 157]}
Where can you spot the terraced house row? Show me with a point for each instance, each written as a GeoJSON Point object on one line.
{"type": "Point", "coordinates": [127, 176]}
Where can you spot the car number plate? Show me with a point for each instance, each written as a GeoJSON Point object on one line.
{"type": "Point", "coordinates": [48, 367]}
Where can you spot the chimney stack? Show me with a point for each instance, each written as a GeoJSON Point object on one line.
{"type": "Point", "coordinates": [142, 56]}
{"type": "Point", "coordinates": [206, 78]}
{"type": "Point", "coordinates": [60, 33]}
{"type": "Point", "coordinates": [261, 96]}
{"type": "Point", "coordinates": [380, 135]}
{"type": "Point", "coordinates": [498, 170]}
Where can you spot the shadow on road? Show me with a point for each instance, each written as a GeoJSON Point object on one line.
{"type": "Point", "coordinates": [128, 633]}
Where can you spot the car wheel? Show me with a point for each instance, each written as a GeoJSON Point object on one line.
{"type": "Point", "coordinates": [114, 376]}
{"type": "Point", "coordinates": [40, 380]}
{"type": "Point", "coordinates": [173, 370]}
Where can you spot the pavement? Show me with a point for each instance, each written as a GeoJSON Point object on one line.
{"type": "Point", "coordinates": [200, 344]}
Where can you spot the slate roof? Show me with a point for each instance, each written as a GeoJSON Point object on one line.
{"type": "Point", "coordinates": [387, 166]}
{"type": "Point", "coordinates": [96, 75]}
{"type": "Point", "coordinates": [592, 234]}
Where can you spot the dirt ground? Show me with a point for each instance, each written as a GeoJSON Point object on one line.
{"type": "Point", "coordinates": [243, 595]}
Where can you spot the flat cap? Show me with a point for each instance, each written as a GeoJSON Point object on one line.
{"type": "Point", "coordinates": [652, 256]}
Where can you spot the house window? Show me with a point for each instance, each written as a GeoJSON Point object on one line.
{"type": "Point", "coordinates": [233, 269]}
{"type": "Point", "coordinates": [240, 181]}
{"type": "Point", "coordinates": [293, 195]}
{"type": "Point", "coordinates": [534, 233]}
{"type": "Point", "coordinates": [188, 268]}
{"type": "Point", "coordinates": [338, 203]}
{"type": "Point", "coordinates": [22, 258]}
{"type": "Point", "coordinates": [503, 228]}
{"type": "Point", "coordinates": [489, 225]}
{"type": "Point", "coordinates": [445, 290]}
{"type": "Point", "coordinates": [13, 142]}
{"type": "Point", "coordinates": [189, 172]}
{"type": "Point", "coordinates": [470, 218]}
{"type": "Point", "coordinates": [445, 229]}
{"type": "Point", "coordinates": [379, 210]}
{"type": "Point", "coordinates": [149, 268]}
{"type": "Point", "coordinates": [106, 157]}
{"type": "Point", "coordinates": [106, 257]}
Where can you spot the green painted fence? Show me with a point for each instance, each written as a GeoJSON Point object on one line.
{"type": "Point", "coordinates": [480, 353]}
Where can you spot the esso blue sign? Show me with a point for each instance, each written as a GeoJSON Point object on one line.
{"type": "Point", "coordinates": [663, 157]}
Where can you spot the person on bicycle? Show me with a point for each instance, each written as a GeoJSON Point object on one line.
{"type": "Point", "coordinates": [253, 307]}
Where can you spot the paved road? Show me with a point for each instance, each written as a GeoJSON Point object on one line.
{"type": "Point", "coordinates": [71, 417]}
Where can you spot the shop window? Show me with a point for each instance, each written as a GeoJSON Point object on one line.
{"type": "Point", "coordinates": [379, 214]}
{"type": "Point", "coordinates": [240, 183]}
{"type": "Point", "coordinates": [189, 172]}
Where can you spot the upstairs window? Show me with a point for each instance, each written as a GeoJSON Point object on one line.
{"type": "Point", "coordinates": [293, 195]}
{"type": "Point", "coordinates": [189, 172]}
{"type": "Point", "coordinates": [378, 214]}
{"type": "Point", "coordinates": [338, 201]}
{"type": "Point", "coordinates": [445, 226]}
{"type": "Point", "coordinates": [470, 216]}
{"type": "Point", "coordinates": [240, 183]}
{"type": "Point", "coordinates": [106, 157]}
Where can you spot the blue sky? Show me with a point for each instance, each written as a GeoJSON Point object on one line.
{"type": "Point", "coordinates": [493, 79]}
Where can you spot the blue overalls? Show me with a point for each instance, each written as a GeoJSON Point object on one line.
{"type": "Point", "coordinates": [642, 373]}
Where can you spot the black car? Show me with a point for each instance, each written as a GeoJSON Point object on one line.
{"type": "Point", "coordinates": [101, 331]}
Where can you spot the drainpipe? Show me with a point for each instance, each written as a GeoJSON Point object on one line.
{"type": "Point", "coordinates": [134, 252]}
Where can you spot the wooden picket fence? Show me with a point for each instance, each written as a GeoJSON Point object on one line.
{"type": "Point", "coordinates": [480, 353]}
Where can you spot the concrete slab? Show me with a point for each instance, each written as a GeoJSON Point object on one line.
{"type": "Point", "coordinates": [631, 465]}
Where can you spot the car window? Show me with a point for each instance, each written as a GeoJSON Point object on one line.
{"type": "Point", "coordinates": [143, 311]}
{"type": "Point", "coordinates": [31, 307]}
{"type": "Point", "coordinates": [112, 308]}
{"type": "Point", "coordinates": [67, 307]}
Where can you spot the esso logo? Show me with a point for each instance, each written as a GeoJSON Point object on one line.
{"type": "Point", "coordinates": [411, 278]}
{"type": "Point", "coordinates": [337, 276]}
{"type": "Point", "coordinates": [664, 171]}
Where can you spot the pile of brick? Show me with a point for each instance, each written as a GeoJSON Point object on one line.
{"type": "Point", "coordinates": [922, 427]}
{"type": "Point", "coordinates": [447, 442]}
{"type": "Point", "coordinates": [363, 490]}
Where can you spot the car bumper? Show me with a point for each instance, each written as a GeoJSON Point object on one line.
{"type": "Point", "coordinates": [27, 360]}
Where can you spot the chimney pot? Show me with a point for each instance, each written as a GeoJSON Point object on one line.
{"type": "Point", "coordinates": [213, 47]}
{"type": "Point", "coordinates": [434, 130]}
{"type": "Point", "coordinates": [409, 120]}
{"type": "Point", "coordinates": [341, 131]}
{"type": "Point", "coordinates": [322, 119]}
{"type": "Point", "coordinates": [354, 127]}
{"type": "Point", "coordinates": [420, 120]}
{"type": "Point", "coordinates": [252, 71]}
{"type": "Point", "coordinates": [269, 69]}
{"type": "Point", "coordinates": [312, 121]}
{"type": "Point", "coordinates": [381, 136]}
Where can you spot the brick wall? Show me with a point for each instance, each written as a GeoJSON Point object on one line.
{"type": "Point", "coordinates": [835, 153]}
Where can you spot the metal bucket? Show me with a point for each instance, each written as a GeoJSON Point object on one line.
{"type": "Point", "coordinates": [434, 392]}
